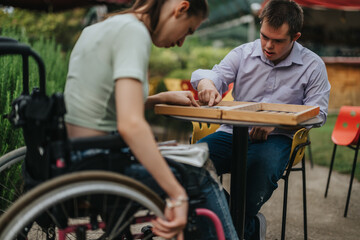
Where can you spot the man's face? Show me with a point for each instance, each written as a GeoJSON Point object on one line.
{"type": "Point", "coordinates": [276, 44]}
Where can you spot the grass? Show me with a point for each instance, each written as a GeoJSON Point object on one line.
{"type": "Point", "coordinates": [322, 148]}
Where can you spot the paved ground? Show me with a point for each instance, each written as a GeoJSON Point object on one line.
{"type": "Point", "coordinates": [325, 215]}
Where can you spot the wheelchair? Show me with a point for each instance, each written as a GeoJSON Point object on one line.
{"type": "Point", "coordinates": [58, 198]}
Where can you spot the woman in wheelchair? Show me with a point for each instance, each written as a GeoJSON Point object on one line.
{"type": "Point", "coordinates": [106, 89]}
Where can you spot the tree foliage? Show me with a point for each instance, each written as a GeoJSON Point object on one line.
{"type": "Point", "coordinates": [181, 62]}
{"type": "Point", "coordinates": [64, 27]}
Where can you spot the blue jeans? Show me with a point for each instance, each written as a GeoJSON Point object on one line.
{"type": "Point", "coordinates": [215, 198]}
{"type": "Point", "coordinates": [266, 162]}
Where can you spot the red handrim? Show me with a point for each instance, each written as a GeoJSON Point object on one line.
{"type": "Point", "coordinates": [215, 219]}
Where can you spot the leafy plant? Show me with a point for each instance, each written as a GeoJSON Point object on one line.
{"type": "Point", "coordinates": [64, 27]}
{"type": "Point", "coordinates": [11, 80]}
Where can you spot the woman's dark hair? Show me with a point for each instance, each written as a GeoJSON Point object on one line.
{"type": "Point", "coordinates": [278, 12]}
{"type": "Point", "coordinates": [153, 7]}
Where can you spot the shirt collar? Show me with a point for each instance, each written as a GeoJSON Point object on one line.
{"type": "Point", "coordinates": [294, 56]}
{"type": "Point", "coordinates": [257, 49]}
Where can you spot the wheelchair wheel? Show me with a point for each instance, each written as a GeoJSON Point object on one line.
{"type": "Point", "coordinates": [11, 181]}
{"type": "Point", "coordinates": [83, 205]}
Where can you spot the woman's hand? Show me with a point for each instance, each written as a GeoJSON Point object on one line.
{"type": "Point", "coordinates": [176, 218]}
{"type": "Point", "coordinates": [184, 98]}
{"type": "Point", "coordinates": [180, 98]}
{"type": "Point", "coordinates": [260, 133]}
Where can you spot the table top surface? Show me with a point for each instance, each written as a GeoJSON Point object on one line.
{"type": "Point", "coordinates": [315, 122]}
{"type": "Point", "coordinates": [246, 114]}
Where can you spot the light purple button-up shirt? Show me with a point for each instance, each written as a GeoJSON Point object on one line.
{"type": "Point", "coordinates": [299, 79]}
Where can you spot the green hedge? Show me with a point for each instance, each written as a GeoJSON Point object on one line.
{"type": "Point", "coordinates": [181, 62]}
{"type": "Point", "coordinates": [56, 63]}
{"type": "Point", "coordinates": [11, 80]}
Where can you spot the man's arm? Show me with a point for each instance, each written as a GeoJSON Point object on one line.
{"type": "Point", "coordinates": [211, 84]}
{"type": "Point", "coordinates": [318, 90]}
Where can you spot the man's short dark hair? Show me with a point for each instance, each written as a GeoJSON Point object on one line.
{"type": "Point", "coordinates": [278, 12]}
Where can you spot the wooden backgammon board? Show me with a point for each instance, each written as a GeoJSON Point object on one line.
{"type": "Point", "coordinates": [287, 114]}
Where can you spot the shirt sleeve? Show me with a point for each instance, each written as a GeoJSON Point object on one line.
{"type": "Point", "coordinates": [318, 90]}
{"type": "Point", "coordinates": [131, 53]}
{"type": "Point", "coordinates": [221, 74]}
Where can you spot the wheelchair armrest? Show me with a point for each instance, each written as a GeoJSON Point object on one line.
{"type": "Point", "coordinates": [8, 40]}
{"type": "Point", "coordinates": [106, 142]}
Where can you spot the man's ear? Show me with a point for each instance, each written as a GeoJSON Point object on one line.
{"type": "Point", "coordinates": [181, 8]}
{"type": "Point", "coordinates": [296, 36]}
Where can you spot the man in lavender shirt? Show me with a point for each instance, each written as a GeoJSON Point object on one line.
{"type": "Point", "coordinates": [272, 69]}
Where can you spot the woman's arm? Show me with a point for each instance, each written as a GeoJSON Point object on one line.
{"type": "Point", "coordinates": [172, 97]}
{"type": "Point", "coordinates": [136, 132]}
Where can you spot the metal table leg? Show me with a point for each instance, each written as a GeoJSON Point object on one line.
{"type": "Point", "coordinates": [238, 179]}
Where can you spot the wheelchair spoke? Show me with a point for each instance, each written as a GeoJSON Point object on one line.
{"type": "Point", "coordinates": [87, 202]}
{"type": "Point", "coordinates": [53, 218]}
{"type": "Point", "coordinates": [76, 209]}
{"type": "Point", "coordinates": [8, 196]}
{"type": "Point", "coordinates": [10, 178]}
{"type": "Point", "coordinates": [104, 207]}
{"type": "Point", "coordinates": [7, 201]}
{"type": "Point", "coordinates": [120, 219]}
{"type": "Point", "coordinates": [13, 187]}
{"type": "Point", "coordinates": [109, 220]}
{"type": "Point", "coordinates": [122, 228]}
{"type": "Point", "coordinates": [63, 209]}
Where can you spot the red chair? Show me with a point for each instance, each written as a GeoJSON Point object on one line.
{"type": "Point", "coordinates": [346, 133]}
{"type": "Point", "coordinates": [186, 85]}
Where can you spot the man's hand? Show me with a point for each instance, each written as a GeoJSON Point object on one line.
{"type": "Point", "coordinates": [207, 92]}
{"type": "Point", "coordinates": [260, 133]}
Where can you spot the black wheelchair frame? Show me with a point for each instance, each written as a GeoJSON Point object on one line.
{"type": "Point", "coordinates": [42, 121]}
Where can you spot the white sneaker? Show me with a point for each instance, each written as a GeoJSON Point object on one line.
{"type": "Point", "coordinates": [260, 227]}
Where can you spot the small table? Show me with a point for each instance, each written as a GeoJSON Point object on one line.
{"type": "Point", "coordinates": [238, 163]}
